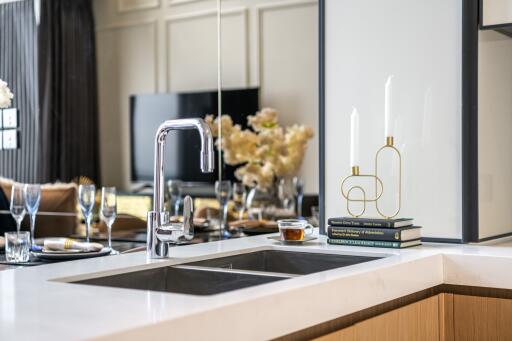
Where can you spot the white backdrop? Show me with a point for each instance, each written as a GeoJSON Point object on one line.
{"type": "Point", "coordinates": [420, 43]}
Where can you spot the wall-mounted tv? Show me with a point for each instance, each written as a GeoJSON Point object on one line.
{"type": "Point", "coordinates": [148, 111]}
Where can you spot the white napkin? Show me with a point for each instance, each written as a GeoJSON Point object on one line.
{"type": "Point", "coordinates": [62, 244]}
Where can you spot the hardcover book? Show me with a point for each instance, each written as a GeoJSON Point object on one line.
{"type": "Point", "coordinates": [372, 233]}
{"type": "Point", "coordinates": [374, 243]}
{"type": "Point", "coordinates": [370, 222]}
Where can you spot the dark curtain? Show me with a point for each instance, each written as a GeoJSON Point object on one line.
{"type": "Point", "coordinates": [68, 91]}
{"type": "Point", "coordinates": [18, 67]}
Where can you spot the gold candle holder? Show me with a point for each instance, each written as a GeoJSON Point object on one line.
{"type": "Point", "coordinates": [390, 145]}
{"type": "Point", "coordinates": [378, 185]}
{"type": "Point", "coordinates": [364, 200]}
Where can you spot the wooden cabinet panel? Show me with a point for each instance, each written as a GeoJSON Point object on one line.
{"type": "Point", "coordinates": [446, 317]}
{"type": "Point", "coordinates": [482, 318]}
{"type": "Point", "coordinates": [417, 321]}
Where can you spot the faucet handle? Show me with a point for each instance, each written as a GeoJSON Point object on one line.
{"type": "Point", "coordinates": [188, 218]}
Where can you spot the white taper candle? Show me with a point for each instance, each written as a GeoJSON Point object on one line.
{"type": "Point", "coordinates": [388, 107]}
{"type": "Point", "coordinates": [354, 138]}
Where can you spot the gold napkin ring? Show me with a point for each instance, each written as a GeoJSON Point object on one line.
{"type": "Point", "coordinates": [68, 243]}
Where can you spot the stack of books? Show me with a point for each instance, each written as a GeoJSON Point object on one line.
{"type": "Point", "coordinates": [391, 233]}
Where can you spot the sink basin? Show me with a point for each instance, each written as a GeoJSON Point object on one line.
{"type": "Point", "coordinates": [285, 262]}
{"type": "Point", "coordinates": [183, 281]}
{"type": "Point", "coordinates": [222, 274]}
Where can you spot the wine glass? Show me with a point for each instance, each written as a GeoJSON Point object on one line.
{"type": "Point", "coordinates": [17, 205]}
{"type": "Point", "coordinates": [298, 186]}
{"type": "Point", "coordinates": [286, 193]}
{"type": "Point", "coordinates": [223, 192]}
{"type": "Point", "coordinates": [32, 199]}
{"type": "Point", "coordinates": [86, 198]}
{"type": "Point", "coordinates": [109, 211]}
{"type": "Point", "coordinates": [174, 188]}
{"type": "Point", "coordinates": [239, 196]}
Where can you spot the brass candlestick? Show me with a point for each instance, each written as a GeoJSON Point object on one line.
{"type": "Point", "coordinates": [390, 145]}
{"type": "Point", "coordinates": [364, 200]}
{"type": "Point", "coordinates": [378, 184]}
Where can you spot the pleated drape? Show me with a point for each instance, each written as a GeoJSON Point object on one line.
{"type": "Point", "coordinates": [68, 91]}
{"type": "Point", "coordinates": [18, 67]}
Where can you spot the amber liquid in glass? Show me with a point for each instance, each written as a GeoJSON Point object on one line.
{"type": "Point", "coordinates": [292, 234]}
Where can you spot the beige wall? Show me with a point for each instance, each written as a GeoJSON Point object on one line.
{"type": "Point", "coordinates": [494, 133]}
{"type": "Point", "coordinates": [147, 46]}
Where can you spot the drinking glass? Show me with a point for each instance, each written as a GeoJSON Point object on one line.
{"type": "Point", "coordinates": [17, 204]}
{"type": "Point", "coordinates": [285, 193]}
{"type": "Point", "coordinates": [174, 188]}
{"type": "Point", "coordinates": [239, 196]}
{"type": "Point", "coordinates": [86, 198]}
{"type": "Point", "coordinates": [17, 246]}
{"type": "Point", "coordinates": [223, 192]}
{"type": "Point", "coordinates": [32, 199]}
{"type": "Point", "coordinates": [109, 211]}
{"type": "Point", "coordinates": [298, 186]}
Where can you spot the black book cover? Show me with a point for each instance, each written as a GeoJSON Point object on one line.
{"type": "Point", "coordinates": [371, 233]}
{"type": "Point", "coordinates": [370, 222]}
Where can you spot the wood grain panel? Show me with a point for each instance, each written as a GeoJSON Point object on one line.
{"type": "Point", "coordinates": [417, 321]}
{"type": "Point", "coordinates": [482, 318]}
{"type": "Point", "coordinates": [446, 317]}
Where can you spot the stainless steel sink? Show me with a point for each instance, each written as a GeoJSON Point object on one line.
{"type": "Point", "coordinates": [288, 262]}
{"type": "Point", "coordinates": [183, 281]}
{"type": "Point", "coordinates": [222, 274]}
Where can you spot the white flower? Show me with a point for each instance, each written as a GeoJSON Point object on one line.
{"type": "Point", "coordinates": [5, 95]}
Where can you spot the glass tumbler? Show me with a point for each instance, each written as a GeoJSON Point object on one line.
{"type": "Point", "coordinates": [17, 246]}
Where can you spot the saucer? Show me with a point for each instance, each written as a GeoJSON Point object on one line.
{"type": "Point", "coordinates": [292, 242]}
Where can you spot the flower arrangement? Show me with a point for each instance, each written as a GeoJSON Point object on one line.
{"type": "Point", "coordinates": [5, 95]}
{"type": "Point", "coordinates": [265, 151]}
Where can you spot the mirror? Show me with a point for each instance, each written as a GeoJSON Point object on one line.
{"type": "Point", "coordinates": [153, 60]}
{"type": "Point", "coordinates": [271, 47]}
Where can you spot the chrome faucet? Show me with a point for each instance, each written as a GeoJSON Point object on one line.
{"type": "Point", "coordinates": [160, 231]}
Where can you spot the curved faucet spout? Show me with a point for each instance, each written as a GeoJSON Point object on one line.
{"type": "Point", "coordinates": [160, 231]}
{"type": "Point", "coordinates": [207, 161]}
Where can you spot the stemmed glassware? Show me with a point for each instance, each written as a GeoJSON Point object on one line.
{"type": "Point", "coordinates": [286, 193]}
{"type": "Point", "coordinates": [239, 196]}
{"type": "Point", "coordinates": [298, 186]}
{"type": "Point", "coordinates": [17, 205]}
{"type": "Point", "coordinates": [32, 199]}
{"type": "Point", "coordinates": [86, 198]}
{"type": "Point", "coordinates": [174, 187]}
{"type": "Point", "coordinates": [223, 192]}
{"type": "Point", "coordinates": [109, 212]}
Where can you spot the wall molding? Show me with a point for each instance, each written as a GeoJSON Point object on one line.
{"type": "Point", "coordinates": [123, 6]}
{"type": "Point", "coordinates": [148, 22]}
{"type": "Point", "coordinates": [181, 2]}
{"type": "Point", "coordinates": [168, 21]}
{"type": "Point", "coordinates": [126, 24]}
{"type": "Point", "coordinates": [260, 11]}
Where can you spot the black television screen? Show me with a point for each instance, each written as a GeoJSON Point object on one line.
{"type": "Point", "coordinates": [182, 147]}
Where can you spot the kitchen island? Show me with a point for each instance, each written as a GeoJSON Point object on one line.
{"type": "Point", "coordinates": [39, 302]}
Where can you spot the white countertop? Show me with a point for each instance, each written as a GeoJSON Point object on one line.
{"type": "Point", "coordinates": [35, 305]}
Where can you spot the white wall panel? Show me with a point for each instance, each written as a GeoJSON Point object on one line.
{"type": "Point", "coordinates": [496, 12]}
{"type": "Point", "coordinates": [289, 72]}
{"type": "Point", "coordinates": [275, 40]}
{"type": "Point", "coordinates": [192, 51]}
{"type": "Point", "coordinates": [494, 133]}
{"type": "Point", "coordinates": [420, 43]}
{"type": "Point", "coordinates": [121, 52]}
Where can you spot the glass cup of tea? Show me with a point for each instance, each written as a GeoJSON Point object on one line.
{"type": "Point", "coordinates": [294, 229]}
